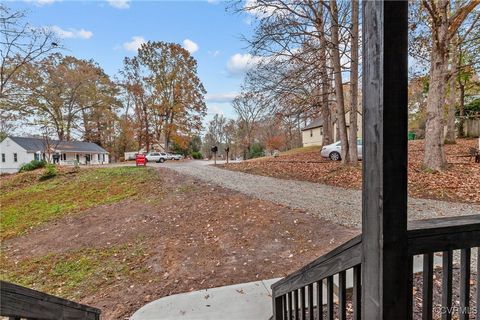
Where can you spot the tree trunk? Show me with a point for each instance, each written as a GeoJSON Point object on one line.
{"type": "Point", "coordinates": [354, 85]}
{"type": "Point", "coordinates": [434, 158]}
{"type": "Point", "coordinates": [147, 128]}
{"type": "Point", "coordinates": [337, 69]}
{"type": "Point", "coordinates": [452, 98]}
{"type": "Point", "coordinates": [461, 123]}
{"type": "Point", "coordinates": [325, 104]}
{"type": "Point", "coordinates": [450, 135]}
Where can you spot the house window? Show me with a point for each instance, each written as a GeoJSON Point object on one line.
{"type": "Point", "coordinates": [36, 156]}
{"type": "Point", "coordinates": [3, 157]}
{"type": "Point", "coordinates": [64, 157]}
{"type": "Point", "coordinates": [15, 158]}
{"type": "Point", "coordinates": [98, 157]}
{"type": "Point", "coordinates": [311, 133]}
{"type": "Point", "coordinates": [321, 131]}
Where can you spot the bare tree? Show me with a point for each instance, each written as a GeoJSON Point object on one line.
{"type": "Point", "coordinates": [354, 83]}
{"type": "Point", "coordinates": [250, 108]}
{"type": "Point", "coordinates": [464, 62]}
{"type": "Point", "coordinates": [444, 23]}
{"type": "Point", "coordinates": [337, 70]}
{"type": "Point", "coordinates": [20, 44]}
{"type": "Point", "coordinates": [299, 52]}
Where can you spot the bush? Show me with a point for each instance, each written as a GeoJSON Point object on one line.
{"type": "Point", "coordinates": [49, 172]}
{"type": "Point", "coordinates": [197, 155]}
{"type": "Point", "coordinates": [256, 151]}
{"type": "Point", "coordinates": [32, 165]}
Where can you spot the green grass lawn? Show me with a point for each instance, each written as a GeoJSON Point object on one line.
{"type": "Point", "coordinates": [26, 202]}
{"type": "Point", "coordinates": [76, 273]}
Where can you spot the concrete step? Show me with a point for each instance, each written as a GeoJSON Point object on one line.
{"type": "Point", "coordinates": [246, 301]}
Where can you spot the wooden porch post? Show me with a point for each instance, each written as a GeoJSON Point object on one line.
{"type": "Point", "coordinates": [385, 273]}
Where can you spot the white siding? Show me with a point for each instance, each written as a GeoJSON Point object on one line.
{"type": "Point", "coordinates": [72, 157]}
{"type": "Point", "coordinates": [9, 147]}
{"type": "Point", "coordinates": [312, 137]}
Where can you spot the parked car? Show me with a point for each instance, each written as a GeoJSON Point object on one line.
{"type": "Point", "coordinates": [169, 156]}
{"type": "Point", "coordinates": [334, 150]}
{"type": "Point", "coordinates": [177, 156]}
{"type": "Point", "coordinates": [157, 157]}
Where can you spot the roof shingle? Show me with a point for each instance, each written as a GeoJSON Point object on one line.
{"type": "Point", "coordinates": [37, 144]}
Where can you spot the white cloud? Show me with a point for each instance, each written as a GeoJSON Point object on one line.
{"type": "Point", "coordinates": [190, 46]}
{"type": "Point", "coordinates": [135, 44]}
{"type": "Point", "coordinates": [220, 97]}
{"type": "Point", "coordinates": [215, 109]}
{"type": "Point", "coordinates": [239, 63]}
{"type": "Point", "coordinates": [42, 2]}
{"type": "Point", "coordinates": [119, 4]}
{"type": "Point", "coordinates": [72, 33]}
{"type": "Point", "coordinates": [213, 1]}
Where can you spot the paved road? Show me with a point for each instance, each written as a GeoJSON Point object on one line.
{"type": "Point", "coordinates": [336, 204]}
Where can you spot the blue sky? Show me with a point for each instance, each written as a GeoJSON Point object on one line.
{"type": "Point", "coordinates": [109, 30]}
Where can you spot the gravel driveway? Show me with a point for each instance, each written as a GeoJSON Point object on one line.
{"type": "Point", "coordinates": [342, 206]}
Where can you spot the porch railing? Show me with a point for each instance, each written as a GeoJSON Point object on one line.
{"type": "Point", "coordinates": [319, 289]}
{"type": "Point", "coordinates": [17, 302]}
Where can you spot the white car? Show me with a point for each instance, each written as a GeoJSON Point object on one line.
{"type": "Point", "coordinates": [177, 156]}
{"type": "Point", "coordinates": [334, 150]}
{"type": "Point", "coordinates": [157, 157]}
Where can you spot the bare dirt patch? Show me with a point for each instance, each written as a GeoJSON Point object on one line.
{"type": "Point", "coordinates": [182, 235]}
{"type": "Point", "coordinates": [459, 183]}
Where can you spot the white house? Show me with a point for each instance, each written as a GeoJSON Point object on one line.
{"type": "Point", "coordinates": [16, 151]}
{"type": "Point", "coordinates": [312, 134]}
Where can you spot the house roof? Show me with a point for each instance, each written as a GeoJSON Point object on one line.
{"type": "Point", "coordinates": [314, 124]}
{"type": "Point", "coordinates": [38, 144]}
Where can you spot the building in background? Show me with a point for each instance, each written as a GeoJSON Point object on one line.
{"type": "Point", "coordinates": [16, 151]}
{"type": "Point", "coordinates": [312, 134]}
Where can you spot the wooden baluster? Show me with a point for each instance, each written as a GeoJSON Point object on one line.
{"type": "Point", "coordinates": [278, 308]}
{"type": "Point", "coordinates": [342, 295]}
{"type": "Point", "coordinates": [357, 292]}
{"type": "Point", "coordinates": [330, 298]}
{"type": "Point", "coordinates": [302, 303]}
{"type": "Point", "coordinates": [284, 306]}
{"type": "Point", "coordinates": [310, 301]}
{"type": "Point", "coordinates": [295, 304]}
{"type": "Point", "coordinates": [464, 283]}
{"type": "Point", "coordinates": [478, 284]}
{"type": "Point", "coordinates": [290, 307]}
{"type": "Point", "coordinates": [427, 303]}
{"type": "Point", "coordinates": [447, 262]}
{"type": "Point", "coordinates": [410, 290]}
{"type": "Point", "coordinates": [320, 300]}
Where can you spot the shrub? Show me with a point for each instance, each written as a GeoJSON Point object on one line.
{"type": "Point", "coordinates": [197, 155]}
{"type": "Point", "coordinates": [256, 151]}
{"type": "Point", "coordinates": [49, 172]}
{"type": "Point", "coordinates": [32, 165]}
